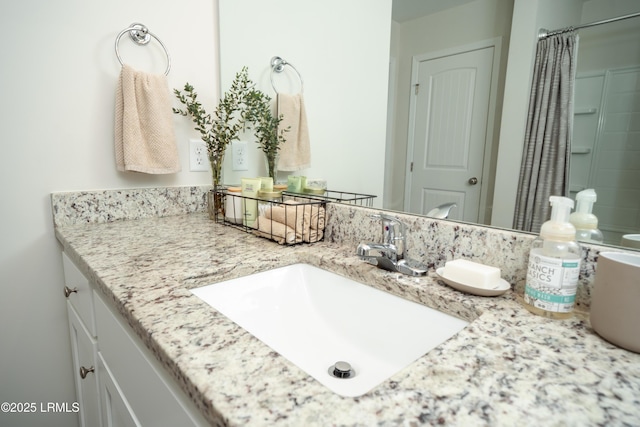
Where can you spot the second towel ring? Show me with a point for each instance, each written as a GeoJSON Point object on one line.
{"type": "Point", "coordinates": [277, 66]}
{"type": "Point", "coordinates": [141, 35]}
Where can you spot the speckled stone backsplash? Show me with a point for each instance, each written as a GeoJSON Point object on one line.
{"type": "Point", "coordinates": [430, 241]}
{"type": "Point", "coordinates": [434, 242]}
{"type": "Point", "coordinates": [71, 208]}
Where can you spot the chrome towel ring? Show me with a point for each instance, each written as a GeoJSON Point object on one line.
{"type": "Point", "coordinates": [141, 35]}
{"type": "Point", "coordinates": [277, 66]}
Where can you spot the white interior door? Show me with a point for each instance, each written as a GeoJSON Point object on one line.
{"type": "Point", "coordinates": [449, 130]}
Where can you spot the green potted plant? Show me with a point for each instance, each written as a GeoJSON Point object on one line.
{"type": "Point", "coordinates": [241, 107]}
{"type": "Point", "coordinates": [265, 127]}
{"type": "Point", "coordinates": [219, 130]}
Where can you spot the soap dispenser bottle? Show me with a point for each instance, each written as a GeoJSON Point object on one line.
{"type": "Point", "coordinates": [585, 222]}
{"type": "Point", "coordinates": [554, 265]}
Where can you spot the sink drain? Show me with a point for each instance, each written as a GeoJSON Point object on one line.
{"type": "Point", "coordinates": [341, 370]}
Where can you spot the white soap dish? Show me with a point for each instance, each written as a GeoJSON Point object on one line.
{"type": "Point", "coordinates": [502, 287]}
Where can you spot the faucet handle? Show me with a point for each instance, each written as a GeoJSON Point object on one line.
{"type": "Point", "coordinates": [389, 220]}
{"type": "Point", "coordinates": [392, 228]}
{"type": "Point", "coordinates": [386, 217]}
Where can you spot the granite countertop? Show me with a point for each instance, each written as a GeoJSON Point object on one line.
{"type": "Point", "coordinates": [507, 367]}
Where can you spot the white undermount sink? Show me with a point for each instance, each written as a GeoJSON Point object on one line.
{"type": "Point", "coordinates": [315, 318]}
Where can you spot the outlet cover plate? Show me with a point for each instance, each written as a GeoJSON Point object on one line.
{"type": "Point", "coordinates": [239, 156]}
{"type": "Point", "coordinates": [198, 159]}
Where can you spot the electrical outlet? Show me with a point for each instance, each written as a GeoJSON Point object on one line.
{"type": "Point", "coordinates": [198, 159]}
{"type": "Point", "coordinates": [239, 156]}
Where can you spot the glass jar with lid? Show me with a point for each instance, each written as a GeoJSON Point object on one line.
{"type": "Point", "coordinates": [267, 200]}
{"type": "Point", "coordinates": [233, 211]}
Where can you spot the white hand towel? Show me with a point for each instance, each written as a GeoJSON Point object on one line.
{"type": "Point", "coordinates": [144, 136]}
{"type": "Point", "coordinates": [295, 152]}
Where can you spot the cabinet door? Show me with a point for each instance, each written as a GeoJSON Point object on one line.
{"type": "Point", "coordinates": [84, 353]}
{"type": "Point", "coordinates": [116, 411]}
{"type": "Point", "coordinates": [154, 396]}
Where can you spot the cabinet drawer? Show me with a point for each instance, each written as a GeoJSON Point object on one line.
{"type": "Point", "coordinates": [82, 296]}
{"type": "Point", "coordinates": [152, 394]}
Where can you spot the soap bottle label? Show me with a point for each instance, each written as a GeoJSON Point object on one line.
{"type": "Point", "coordinates": [552, 282]}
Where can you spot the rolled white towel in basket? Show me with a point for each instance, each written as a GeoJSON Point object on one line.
{"type": "Point", "coordinates": [274, 230]}
{"type": "Point", "coordinates": [298, 218]}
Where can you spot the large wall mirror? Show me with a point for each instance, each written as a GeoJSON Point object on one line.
{"type": "Point", "coordinates": [334, 47]}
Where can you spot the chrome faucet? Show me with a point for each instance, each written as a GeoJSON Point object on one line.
{"type": "Point", "coordinates": [390, 254]}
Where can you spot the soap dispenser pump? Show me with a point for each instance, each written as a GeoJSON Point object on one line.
{"type": "Point", "coordinates": [554, 265]}
{"type": "Point", "coordinates": [586, 223]}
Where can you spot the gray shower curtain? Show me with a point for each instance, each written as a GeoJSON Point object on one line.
{"type": "Point", "coordinates": [544, 170]}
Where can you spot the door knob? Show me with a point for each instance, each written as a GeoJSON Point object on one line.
{"type": "Point", "coordinates": [473, 181]}
{"type": "Point", "coordinates": [68, 291]}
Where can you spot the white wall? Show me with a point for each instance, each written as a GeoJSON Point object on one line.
{"type": "Point", "coordinates": [613, 45]}
{"type": "Point", "coordinates": [469, 23]}
{"type": "Point", "coordinates": [341, 49]}
{"type": "Point", "coordinates": [393, 199]}
{"type": "Point", "coordinates": [57, 80]}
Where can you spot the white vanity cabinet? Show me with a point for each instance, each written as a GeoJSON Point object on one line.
{"type": "Point", "coordinates": [84, 346]}
{"type": "Point", "coordinates": [119, 382]}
